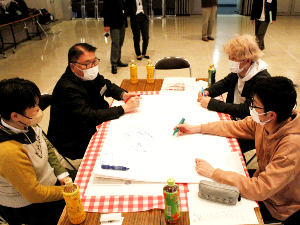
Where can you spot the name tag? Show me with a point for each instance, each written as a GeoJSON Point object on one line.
{"type": "Point", "coordinates": [269, 1]}
{"type": "Point", "coordinates": [103, 89]}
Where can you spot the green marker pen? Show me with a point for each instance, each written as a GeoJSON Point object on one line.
{"type": "Point", "coordinates": [181, 122]}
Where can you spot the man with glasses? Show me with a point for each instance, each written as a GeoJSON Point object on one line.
{"type": "Point", "coordinates": [78, 103]}
{"type": "Point", "coordinates": [274, 125]}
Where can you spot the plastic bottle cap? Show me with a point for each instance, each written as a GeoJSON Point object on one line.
{"type": "Point", "coordinates": [68, 182]}
{"type": "Point", "coordinates": [171, 181]}
{"type": "Point", "coordinates": [149, 61]}
{"type": "Point", "coordinates": [132, 61]}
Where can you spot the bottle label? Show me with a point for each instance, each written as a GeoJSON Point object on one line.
{"type": "Point", "coordinates": [150, 74]}
{"type": "Point", "coordinates": [74, 207]}
{"type": "Point", "coordinates": [211, 77]}
{"type": "Point", "coordinates": [172, 208]}
{"type": "Point", "coordinates": [133, 74]}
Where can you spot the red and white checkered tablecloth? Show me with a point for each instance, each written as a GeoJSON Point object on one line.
{"type": "Point", "coordinates": [110, 204]}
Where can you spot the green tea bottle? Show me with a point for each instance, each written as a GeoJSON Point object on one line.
{"type": "Point", "coordinates": [171, 197]}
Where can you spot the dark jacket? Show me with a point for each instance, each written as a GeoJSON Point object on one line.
{"type": "Point", "coordinates": [228, 85]}
{"type": "Point", "coordinates": [77, 108]}
{"type": "Point", "coordinates": [209, 3]}
{"type": "Point", "coordinates": [113, 14]}
{"type": "Point", "coordinates": [257, 7]}
{"type": "Point", "coordinates": [131, 7]}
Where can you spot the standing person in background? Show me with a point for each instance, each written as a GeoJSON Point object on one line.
{"type": "Point", "coordinates": [261, 11]}
{"type": "Point", "coordinates": [139, 20]}
{"type": "Point", "coordinates": [115, 21]}
{"type": "Point", "coordinates": [209, 12]}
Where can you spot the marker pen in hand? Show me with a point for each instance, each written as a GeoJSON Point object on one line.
{"type": "Point", "coordinates": [130, 98]}
{"type": "Point", "coordinates": [203, 93]}
{"type": "Point", "coordinates": [181, 122]}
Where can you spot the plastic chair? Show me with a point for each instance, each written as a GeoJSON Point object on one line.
{"type": "Point", "coordinates": [45, 101]}
{"type": "Point", "coordinates": [171, 63]}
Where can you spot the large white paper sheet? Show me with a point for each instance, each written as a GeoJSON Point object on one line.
{"type": "Point", "coordinates": [204, 212]}
{"type": "Point", "coordinates": [153, 154]}
{"type": "Point", "coordinates": [143, 141]}
{"type": "Point", "coordinates": [113, 187]}
{"type": "Point", "coordinates": [157, 109]}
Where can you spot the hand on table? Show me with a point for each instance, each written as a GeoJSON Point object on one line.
{"type": "Point", "coordinates": [187, 128]}
{"type": "Point", "coordinates": [204, 168]}
{"type": "Point", "coordinates": [132, 104]}
{"type": "Point", "coordinates": [203, 100]}
{"type": "Point", "coordinates": [127, 96]}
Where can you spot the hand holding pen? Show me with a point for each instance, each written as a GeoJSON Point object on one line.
{"type": "Point", "coordinates": [131, 103]}
{"type": "Point", "coordinates": [203, 98]}
{"type": "Point", "coordinates": [187, 129]}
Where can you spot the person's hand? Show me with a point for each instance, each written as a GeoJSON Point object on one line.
{"type": "Point", "coordinates": [204, 168]}
{"type": "Point", "coordinates": [106, 29]}
{"type": "Point", "coordinates": [252, 22]}
{"type": "Point", "coordinates": [62, 181]}
{"type": "Point", "coordinates": [200, 95]}
{"type": "Point", "coordinates": [187, 128]}
{"type": "Point", "coordinates": [127, 96]}
{"type": "Point", "coordinates": [203, 100]}
{"type": "Point", "coordinates": [132, 104]}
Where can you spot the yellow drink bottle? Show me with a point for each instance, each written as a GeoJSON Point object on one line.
{"type": "Point", "coordinates": [133, 73]}
{"type": "Point", "coordinates": [73, 202]}
{"type": "Point", "coordinates": [150, 72]}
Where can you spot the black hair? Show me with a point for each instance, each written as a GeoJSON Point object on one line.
{"type": "Point", "coordinates": [17, 95]}
{"type": "Point", "coordinates": [277, 94]}
{"type": "Point", "coordinates": [78, 49]}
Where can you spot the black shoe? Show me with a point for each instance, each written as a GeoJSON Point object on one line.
{"type": "Point", "coordinates": [120, 64]}
{"type": "Point", "coordinates": [146, 56]}
{"type": "Point", "coordinates": [139, 58]}
{"type": "Point", "coordinates": [114, 69]}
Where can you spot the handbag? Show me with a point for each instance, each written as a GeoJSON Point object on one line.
{"type": "Point", "coordinates": [218, 192]}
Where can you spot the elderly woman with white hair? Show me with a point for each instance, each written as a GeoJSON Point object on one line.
{"type": "Point", "coordinates": [246, 69]}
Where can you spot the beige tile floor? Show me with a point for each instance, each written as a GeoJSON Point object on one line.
{"type": "Point", "coordinates": [44, 61]}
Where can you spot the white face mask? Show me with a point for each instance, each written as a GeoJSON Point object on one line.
{"type": "Point", "coordinates": [34, 120]}
{"type": "Point", "coordinates": [255, 116]}
{"type": "Point", "coordinates": [89, 74]}
{"type": "Point", "coordinates": [234, 67]}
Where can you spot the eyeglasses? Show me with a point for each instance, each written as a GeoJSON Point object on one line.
{"type": "Point", "coordinates": [91, 64]}
{"type": "Point", "coordinates": [252, 106]}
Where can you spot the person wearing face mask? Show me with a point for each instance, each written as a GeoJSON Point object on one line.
{"type": "Point", "coordinates": [78, 102]}
{"type": "Point", "coordinates": [274, 125]}
{"type": "Point", "coordinates": [246, 68]}
{"type": "Point", "coordinates": [31, 177]}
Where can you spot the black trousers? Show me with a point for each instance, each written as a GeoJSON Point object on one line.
{"type": "Point", "coordinates": [140, 24]}
{"type": "Point", "coordinates": [260, 31]}
{"type": "Point", "coordinates": [267, 217]}
{"type": "Point", "coordinates": [35, 214]}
